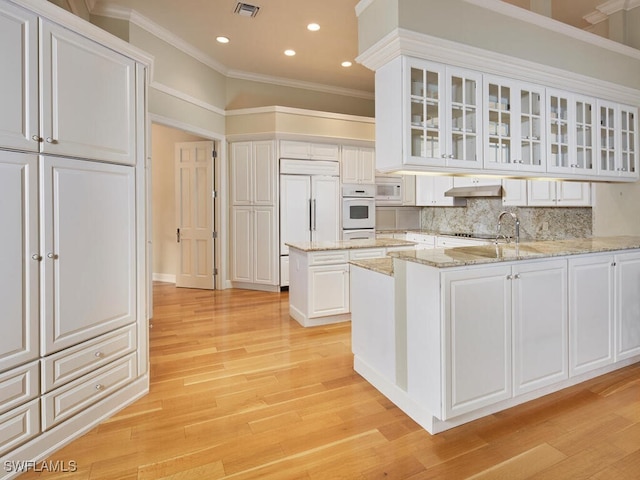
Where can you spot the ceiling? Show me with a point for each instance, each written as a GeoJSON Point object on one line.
{"type": "Point", "coordinates": [257, 44]}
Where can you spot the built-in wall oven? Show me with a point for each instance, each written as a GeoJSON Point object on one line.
{"type": "Point", "coordinates": [358, 211]}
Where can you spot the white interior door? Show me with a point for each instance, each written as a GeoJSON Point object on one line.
{"type": "Point", "coordinates": [194, 214]}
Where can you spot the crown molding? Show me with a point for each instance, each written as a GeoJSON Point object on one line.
{"type": "Point", "coordinates": [185, 97]}
{"type": "Point", "coordinates": [602, 12]}
{"type": "Point", "coordinates": [595, 17]}
{"type": "Point", "coordinates": [362, 5]}
{"type": "Point", "coordinates": [300, 111]}
{"type": "Point", "coordinates": [402, 42]}
{"type": "Point", "coordinates": [105, 9]}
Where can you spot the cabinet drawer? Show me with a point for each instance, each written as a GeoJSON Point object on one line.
{"type": "Point", "coordinates": [17, 386]}
{"type": "Point", "coordinates": [83, 392]}
{"type": "Point", "coordinates": [19, 425]}
{"type": "Point", "coordinates": [361, 254]}
{"type": "Point", "coordinates": [72, 363]}
{"type": "Point", "coordinates": [331, 257]}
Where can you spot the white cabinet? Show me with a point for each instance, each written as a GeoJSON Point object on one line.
{"type": "Point", "coordinates": [505, 331]}
{"type": "Point", "coordinates": [18, 82]}
{"type": "Point", "coordinates": [627, 282]}
{"type": "Point", "coordinates": [591, 312]}
{"type": "Point", "coordinates": [514, 132]}
{"type": "Point", "coordinates": [254, 252]}
{"type": "Point", "coordinates": [430, 191]}
{"type": "Point", "coordinates": [254, 257]}
{"type": "Point", "coordinates": [617, 140]}
{"type": "Point", "coordinates": [477, 333]}
{"type": "Point", "coordinates": [89, 250]}
{"type": "Point", "coordinates": [423, 241]}
{"type": "Point", "coordinates": [514, 192]}
{"type": "Point", "coordinates": [443, 115]}
{"type": "Point", "coordinates": [358, 165]}
{"type": "Point", "coordinates": [561, 194]}
{"type": "Point", "coordinates": [408, 190]}
{"type": "Point", "coordinates": [540, 351]}
{"type": "Point", "coordinates": [309, 151]}
{"type": "Point", "coordinates": [328, 290]}
{"type": "Point", "coordinates": [253, 173]}
{"type": "Point", "coordinates": [19, 275]}
{"type": "Point", "coordinates": [571, 133]}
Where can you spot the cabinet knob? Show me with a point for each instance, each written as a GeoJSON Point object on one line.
{"type": "Point", "coordinates": [52, 255]}
{"type": "Point", "coordinates": [36, 257]}
{"type": "Point", "coordinates": [516, 276]}
{"type": "Point", "coordinates": [613, 264]}
{"type": "Point", "coordinates": [509, 277]}
{"type": "Point", "coordinates": [99, 355]}
{"type": "Point", "coordinates": [36, 138]}
{"type": "Point", "coordinates": [51, 140]}
{"type": "Point", "coordinates": [99, 387]}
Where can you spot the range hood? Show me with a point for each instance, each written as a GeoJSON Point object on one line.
{"type": "Point", "coordinates": [475, 191]}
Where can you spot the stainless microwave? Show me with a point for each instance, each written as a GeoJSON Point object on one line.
{"type": "Point", "coordinates": [388, 190]}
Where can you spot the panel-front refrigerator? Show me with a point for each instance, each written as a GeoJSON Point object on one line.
{"type": "Point", "coordinates": [309, 205]}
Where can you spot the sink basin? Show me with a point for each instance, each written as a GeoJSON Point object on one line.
{"type": "Point", "coordinates": [501, 251]}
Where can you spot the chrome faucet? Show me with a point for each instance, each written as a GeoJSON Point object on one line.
{"type": "Point", "coordinates": [517, 222]}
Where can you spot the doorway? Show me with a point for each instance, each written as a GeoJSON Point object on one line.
{"type": "Point", "coordinates": [169, 251]}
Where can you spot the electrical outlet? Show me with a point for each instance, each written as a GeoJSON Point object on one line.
{"type": "Point", "coordinates": [545, 226]}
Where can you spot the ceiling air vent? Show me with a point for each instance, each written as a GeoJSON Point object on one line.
{"type": "Point", "coordinates": [246, 10]}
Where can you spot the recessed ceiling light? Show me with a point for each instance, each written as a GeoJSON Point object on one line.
{"type": "Point", "coordinates": [222, 39]}
{"type": "Point", "coordinates": [346, 64]}
{"type": "Point", "coordinates": [314, 27]}
{"type": "Point", "coordinates": [289, 53]}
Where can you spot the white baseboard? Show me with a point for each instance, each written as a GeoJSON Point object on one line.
{"type": "Point", "coordinates": [164, 277]}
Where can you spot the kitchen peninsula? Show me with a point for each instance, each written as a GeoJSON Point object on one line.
{"type": "Point", "coordinates": [319, 276]}
{"type": "Point", "coordinates": [475, 330]}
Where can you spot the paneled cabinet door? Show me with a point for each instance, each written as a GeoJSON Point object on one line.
{"type": "Point", "coordinates": [88, 244]}
{"type": "Point", "coordinates": [477, 319]}
{"type": "Point", "coordinates": [253, 173]}
{"type": "Point", "coordinates": [358, 165]}
{"type": "Point", "coordinates": [539, 325]}
{"type": "Point", "coordinates": [591, 312]}
{"type": "Point", "coordinates": [617, 140]}
{"type": "Point", "coordinates": [242, 246]}
{"type": "Point", "coordinates": [430, 190]}
{"type": "Point", "coordinates": [328, 290]}
{"type": "Point", "coordinates": [19, 79]}
{"type": "Point", "coordinates": [19, 276]}
{"type": "Point", "coordinates": [88, 97]}
{"type": "Point", "coordinates": [265, 257]}
{"type": "Point", "coordinates": [627, 268]}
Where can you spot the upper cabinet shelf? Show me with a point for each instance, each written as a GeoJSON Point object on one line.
{"type": "Point", "coordinates": [444, 119]}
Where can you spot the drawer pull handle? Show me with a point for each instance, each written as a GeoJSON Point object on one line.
{"type": "Point", "coordinates": [99, 387]}
{"type": "Point", "coordinates": [99, 355]}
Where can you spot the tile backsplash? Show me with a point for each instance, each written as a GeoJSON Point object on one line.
{"type": "Point", "coordinates": [481, 216]}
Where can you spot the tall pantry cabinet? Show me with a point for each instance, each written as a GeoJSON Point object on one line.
{"type": "Point", "coordinates": [73, 293]}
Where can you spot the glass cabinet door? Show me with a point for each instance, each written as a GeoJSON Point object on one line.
{"type": "Point", "coordinates": [628, 141]}
{"type": "Point", "coordinates": [585, 134]}
{"type": "Point", "coordinates": [498, 152]}
{"type": "Point", "coordinates": [606, 137]}
{"type": "Point", "coordinates": [464, 141]}
{"type": "Point", "coordinates": [531, 128]}
{"type": "Point", "coordinates": [558, 132]}
{"type": "Point", "coordinates": [426, 113]}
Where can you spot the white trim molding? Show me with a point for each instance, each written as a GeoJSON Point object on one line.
{"type": "Point", "coordinates": [300, 111]}
{"type": "Point", "coordinates": [604, 11]}
{"type": "Point", "coordinates": [185, 97]}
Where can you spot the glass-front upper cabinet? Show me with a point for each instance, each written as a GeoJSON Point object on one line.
{"type": "Point", "coordinates": [617, 140]}
{"type": "Point", "coordinates": [444, 115]}
{"type": "Point", "coordinates": [514, 133]}
{"type": "Point", "coordinates": [570, 133]}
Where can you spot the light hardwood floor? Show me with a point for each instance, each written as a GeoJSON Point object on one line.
{"type": "Point", "coordinates": [241, 391]}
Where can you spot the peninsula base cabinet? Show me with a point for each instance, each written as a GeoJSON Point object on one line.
{"type": "Point", "coordinates": [483, 338]}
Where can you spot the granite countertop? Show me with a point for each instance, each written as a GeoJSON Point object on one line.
{"type": "Point", "coordinates": [483, 254]}
{"type": "Point", "coordinates": [350, 244]}
{"type": "Point", "coordinates": [382, 265]}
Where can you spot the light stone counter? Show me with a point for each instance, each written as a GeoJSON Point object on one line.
{"type": "Point", "coordinates": [482, 254]}
{"type": "Point", "coordinates": [378, 265]}
{"type": "Point", "coordinates": [350, 244]}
